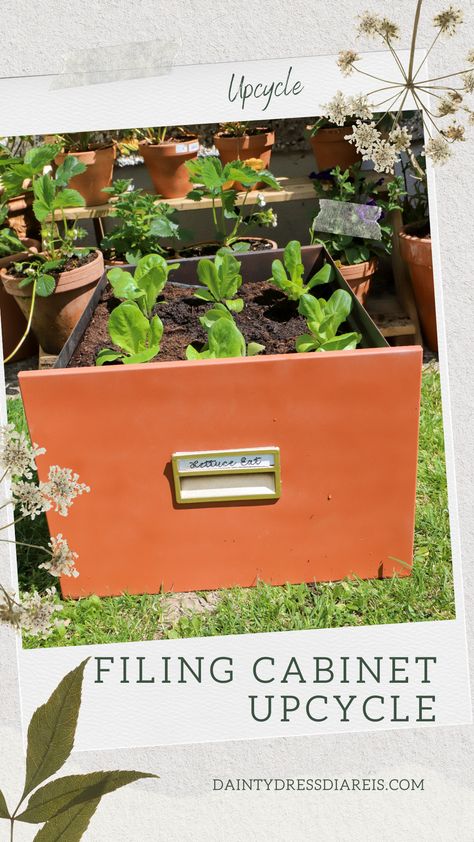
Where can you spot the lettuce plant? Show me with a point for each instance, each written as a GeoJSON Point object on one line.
{"type": "Point", "coordinates": [221, 280]}
{"type": "Point", "coordinates": [132, 326]}
{"type": "Point", "coordinates": [217, 183]}
{"type": "Point", "coordinates": [142, 222]}
{"type": "Point", "coordinates": [324, 319]}
{"type": "Point", "coordinates": [289, 275]}
{"type": "Point", "coordinates": [224, 339]}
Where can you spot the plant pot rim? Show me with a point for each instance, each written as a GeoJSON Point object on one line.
{"type": "Point", "coordinates": [329, 130]}
{"type": "Point", "coordinates": [264, 133]}
{"type": "Point", "coordinates": [163, 143]}
{"type": "Point", "coordinates": [69, 280]}
{"type": "Point", "coordinates": [408, 232]}
{"type": "Point", "coordinates": [366, 267]}
{"type": "Point", "coordinates": [219, 245]}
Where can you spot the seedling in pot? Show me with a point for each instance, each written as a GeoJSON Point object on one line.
{"type": "Point", "coordinates": [132, 325]}
{"type": "Point", "coordinates": [217, 183]}
{"type": "Point", "coordinates": [289, 275]}
{"type": "Point", "coordinates": [143, 222]}
{"type": "Point", "coordinates": [324, 319]}
{"type": "Point", "coordinates": [9, 241]}
{"type": "Point", "coordinates": [222, 280]}
{"type": "Point", "coordinates": [224, 339]}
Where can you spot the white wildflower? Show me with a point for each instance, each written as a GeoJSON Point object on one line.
{"type": "Point", "coordinates": [383, 155]}
{"type": "Point", "coordinates": [274, 220]}
{"type": "Point", "coordinates": [449, 20]}
{"type": "Point", "coordinates": [364, 136]}
{"type": "Point", "coordinates": [369, 25]}
{"type": "Point", "coordinates": [11, 612]}
{"type": "Point", "coordinates": [390, 30]}
{"type": "Point", "coordinates": [346, 61]}
{"type": "Point", "coordinates": [337, 110]}
{"type": "Point", "coordinates": [30, 499]}
{"type": "Point", "coordinates": [17, 455]}
{"type": "Point", "coordinates": [449, 104]}
{"type": "Point", "coordinates": [359, 107]}
{"type": "Point", "coordinates": [469, 83]}
{"type": "Point", "coordinates": [454, 132]}
{"type": "Point", "coordinates": [63, 559]}
{"type": "Point", "coordinates": [261, 201]}
{"type": "Point", "coordinates": [62, 488]}
{"type": "Point", "coordinates": [438, 150]}
{"type": "Point", "coordinates": [401, 138]}
{"type": "Point", "coordinates": [38, 612]}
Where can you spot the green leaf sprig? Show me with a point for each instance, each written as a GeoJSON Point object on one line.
{"type": "Point", "coordinates": [63, 806]}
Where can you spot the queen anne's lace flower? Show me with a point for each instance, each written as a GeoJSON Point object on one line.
{"type": "Point", "coordinates": [38, 611]}
{"type": "Point", "coordinates": [389, 29]}
{"type": "Point", "coordinates": [17, 455]}
{"type": "Point", "coordinates": [11, 612]}
{"type": "Point", "coordinates": [469, 83]}
{"type": "Point", "coordinates": [455, 132]}
{"type": "Point", "coordinates": [62, 488]}
{"type": "Point", "coordinates": [337, 110]}
{"type": "Point", "coordinates": [63, 559]}
{"type": "Point", "coordinates": [438, 150]}
{"type": "Point", "coordinates": [359, 107]}
{"type": "Point", "coordinates": [346, 61]}
{"type": "Point", "coordinates": [369, 25]}
{"type": "Point", "coordinates": [364, 136]}
{"type": "Point", "coordinates": [383, 155]}
{"type": "Point", "coordinates": [449, 20]}
{"type": "Point", "coordinates": [401, 138]}
{"type": "Point", "coordinates": [30, 499]}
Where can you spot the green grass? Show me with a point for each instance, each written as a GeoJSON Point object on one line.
{"type": "Point", "coordinates": [426, 595]}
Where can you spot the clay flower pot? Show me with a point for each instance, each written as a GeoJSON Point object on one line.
{"type": "Point", "coordinates": [247, 147]}
{"type": "Point", "coordinates": [330, 149]}
{"type": "Point", "coordinates": [13, 320]}
{"type": "Point", "coordinates": [416, 252]}
{"type": "Point", "coordinates": [166, 164]}
{"type": "Point", "coordinates": [56, 316]}
{"type": "Point", "coordinates": [359, 277]}
{"type": "Point", "coordinates": [99, 173]}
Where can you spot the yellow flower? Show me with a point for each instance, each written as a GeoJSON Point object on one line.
{"type": "Point", "coordinates": [255, 164]}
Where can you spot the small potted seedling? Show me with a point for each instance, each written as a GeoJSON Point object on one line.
{"type": "Point", "coordinates": [53, 286]}
{"type": "Point", "coordinates": [217, 183]}
{"type": "Point", "coordinates": [142, 223]}
{"type": "Point", "coordinates": [97, 152]}
{"type": "Point", "coordinates": [165, 152]}
{"type": "Point", "coordinates": [12, 249]}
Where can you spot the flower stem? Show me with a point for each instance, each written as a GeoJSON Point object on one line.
{"type": "Point", "coordinates": [413, 41]}
{"type": "Point", "coordinates": [427, 54]}
{"type": "Point", "coordinates": [28, 326]}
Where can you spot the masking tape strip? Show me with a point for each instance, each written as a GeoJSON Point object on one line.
{"type": "Point", "coordinates": [348, 218]}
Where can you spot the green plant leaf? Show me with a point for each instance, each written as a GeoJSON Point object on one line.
{"type": "Point", "coordinates": [305, 343]}
{"type": "Point", "coordinates": [156, 331]}
{"type": "Point", "coordinates": [293, 263]}
{"type": "Point", "coordinates": [235, 304]}
{"type": "Point", "coordinates": [279, 276]}
{"type": "Point", "coordinates": [123, 285]}
{"type": "Point", "coordinates": [128, 327]}
{"type": "Point", "coordinates": [208, 277]}
{"type": "Point", "coordinates": [212, 315]}
{"type": "Point", "coordinates": [225, 339]}
{"type": "Point", "coordinates": [70, 825]}
{"type": "Point", "coordinates": [311, 308]}
{"type": "Point", "coordinates": [254, 348]}
{"type": "Point", "coordinates": [204, 295]}
{"type": "Point", "coordinates": [44, 193]}
{"type": "Point", "coordinates": [150, 276]}
{"type": "Point", "coordinates": [142, 356]}
{"type": "Point", "coordinates": [39, 156]}
{"type": "Point", "coordinates": [45, 285]}
{"type": "Point", "coordinates": [323, 276]}
{"type": "Point", "coordinates": [69, 198]}
{"type": "Point", "coordinates": [70, 167]}
{"type": "Point", "coordinates": [207, 171]}
{"type": "Point", "coordinates": [71, 790]}
{"type": "Point", "coordinates": [52, 730]}
{"type": "Point", "coordinates": [107, 356]}
{"type": "Point", "coordinates": [345, 342]}
{"type": "Point", "coordinates": [4, 812]}
{"type": "Point", "coordinates": [339, 304]}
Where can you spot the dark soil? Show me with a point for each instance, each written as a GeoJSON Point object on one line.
{"type": "Point", "coordinates": [268, 318]}
{"type": "Point", "coordinates": [206, 249]}
{"type": "Point", "coordinates": [71, 263]}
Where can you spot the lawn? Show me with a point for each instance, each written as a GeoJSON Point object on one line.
{"type": "Point", "coordinates": [426, 595]}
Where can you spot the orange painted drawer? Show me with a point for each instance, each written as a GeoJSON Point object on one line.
{"type": "Point", "coordinates": [346, 424]}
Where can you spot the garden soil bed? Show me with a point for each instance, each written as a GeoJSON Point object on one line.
{"type": "Point", "coordinates": [74, 262]}
{"type": "Point", "coordinates": [268, 318]}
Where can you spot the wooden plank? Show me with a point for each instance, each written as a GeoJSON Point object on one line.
{"type": "Point", "coordinates": [293, 189]}
{"type": "Point", "coordinates": [390, 318]}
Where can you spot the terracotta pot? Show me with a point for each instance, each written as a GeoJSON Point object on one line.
{"type": "Point", "coordinates": [13, 320]}
{"type": "Point", "coordinates": [242, 148]}
{"type": "Point", "coordinates": [359, 277]}
{"type": "Point", "coordinates": [416, 252]}
{"type": "Point", "coordinates": [330, 149]}
{"type": "Point", "coordinates": [21, 218]}
{"type": "Point", "coordinates": [99, 173]}
{"type": "Point", "coordinates": [337, 516]}
{"type": "Point", "coordinates": [55, 317]}
{"type": "Point", "coordinates": [166, 164]}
